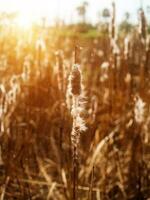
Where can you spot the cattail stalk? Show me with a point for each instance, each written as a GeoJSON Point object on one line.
{"type": "Point", "coordinates": [75, 84]}
{"type": "Point", "coordinates": [59, 66]}
{"type": "Point", "coordinates": [78, 121]}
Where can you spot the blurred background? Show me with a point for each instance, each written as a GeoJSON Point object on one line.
{"type": "Point", "coordinates": [74, 100]}
{"type": "Point", "coordinates": [68, 11]}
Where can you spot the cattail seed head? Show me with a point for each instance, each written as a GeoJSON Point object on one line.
{"type": "Point", "coordinates": [142, 24]}
{"type": "Point", "coordinates": [126, 47]}
{"type": "Point", "coordinates": [139, 110]}
{"type": "Point", "coordinates": [148, 44]}
{"type": "Point", "coordinates": [112, 23]}
{"type": "Point", "coordinates": [75, 81]}
{"type": "Point", "coordinates": [115, 46]}
{"type": "Point", "coordinates": [59, 68]}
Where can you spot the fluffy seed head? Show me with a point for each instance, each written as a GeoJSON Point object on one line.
{"type": "Point", "coordinates": [126, 47]}
{"type": "Point", "coordinates": [139, 110]}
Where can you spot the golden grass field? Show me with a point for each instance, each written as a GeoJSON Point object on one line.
{"type": "Point", "coordinates": [75, 113]}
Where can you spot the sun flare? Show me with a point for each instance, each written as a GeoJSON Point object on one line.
{"type": "Point", "coordinates": [29, 11]}
{"type": "Point", "coordinates": [23, 21]}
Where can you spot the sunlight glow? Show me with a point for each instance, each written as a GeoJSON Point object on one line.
{"type": "Point", "coordinates": [33, 10]}
{"type": "Point", "coordinates": [23, 21]}
{"type": "Point", "coordinates": [30, 10]}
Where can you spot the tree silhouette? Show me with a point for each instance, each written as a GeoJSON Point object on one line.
{"type": "Point", "coordinates": [82, 11]}
{"type": "Point", "coordinates": [105, 13]}
{"type": "Point", "coordinates": [125, 25]}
